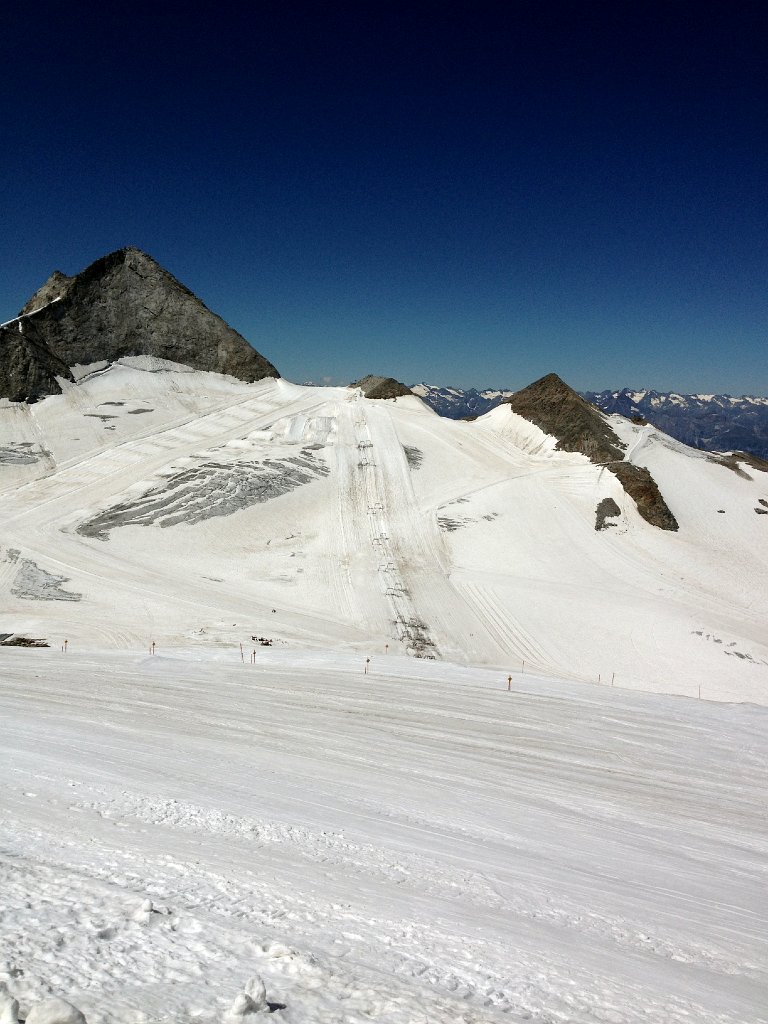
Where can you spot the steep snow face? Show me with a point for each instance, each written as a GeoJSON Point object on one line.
{"type": "Point", "coordinates": [413, 844]}
{"type": "Point", "coordinates": [154, 502]}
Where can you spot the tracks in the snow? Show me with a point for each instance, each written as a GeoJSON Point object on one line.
{"type": "Point", "coordinates": [409, 628]}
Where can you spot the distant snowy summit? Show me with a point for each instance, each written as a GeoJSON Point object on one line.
{"type": "Point", "coordinates": [124, 304]}
{"type": "Point", "coordinates": [718, 423]}
{"type": "Point", "coordinates": [458, 403]}
{"type": "Point", "coordinates": [711, 422]}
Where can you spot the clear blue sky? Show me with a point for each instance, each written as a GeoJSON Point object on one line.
{"type": "Point", "coordinates": [468, 198]}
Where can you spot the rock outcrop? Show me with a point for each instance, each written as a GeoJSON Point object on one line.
{"type": "Point", "coordinates": [579, 427]}
{"type": "Point", "coordinates": [124, 304]}
{"type": "Point", "coordinates": [606, 511]}
{"type": "Point", "coordinates": [381, 387]}
{"type": "Point", "coordinates": [643, 489]}
{"type": "Point", "coordinates": [54, 288]}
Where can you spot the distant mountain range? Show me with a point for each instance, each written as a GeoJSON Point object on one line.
{"type": "Point", "coordinates": [718, 423]}
{"type": "Point", "coordinates": [456, 403]}
{"type": "Point", "coordinates": [710, 422]}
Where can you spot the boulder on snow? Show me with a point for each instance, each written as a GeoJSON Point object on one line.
{"type": "Point", "coordinates": [55, 1011]}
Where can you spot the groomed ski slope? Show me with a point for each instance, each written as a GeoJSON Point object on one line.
{"type": "Point", "coordinates": [415, 844]}
{"type": "Point", "coordinates": [152, 502]}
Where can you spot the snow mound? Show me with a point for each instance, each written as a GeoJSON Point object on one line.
{"type": "Point", "coordinates": [144, 913]}
{"type": "Point", "coordinates": [253, 999]}
{"type": "Point", "coordinates": [55, 1011]}
{"type": "Point", "coordinates": [9, 1008]}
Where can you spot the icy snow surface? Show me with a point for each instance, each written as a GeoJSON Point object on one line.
{"type": "Point", "coordinates": [414, 843]}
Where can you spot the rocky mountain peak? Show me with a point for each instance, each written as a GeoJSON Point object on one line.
{"type": "Point", "coordinates": [54, 288]}
{"type": "Point", "coordinates": [126, 304]}
{"type": "Point", "coordinates": [381, 387]}
{"type": "Point", "coordinates": [558, 410]}
{"type": "Point", "coordinates": [580, 427]}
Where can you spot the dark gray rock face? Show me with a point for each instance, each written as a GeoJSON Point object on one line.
{"type": "Point", "coordinates": [710, 422]}
{"type": "Point", "coordinates": [125, 304]}
{"type": "Point", "coordinates": [53, 288]}
{"type": "Point", "coordinates": [28, 368]}
{"type": "Point", "coordinates": [381, 387]}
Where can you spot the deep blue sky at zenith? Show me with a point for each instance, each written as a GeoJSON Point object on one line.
{"type": "Point", "coordinates": [474, 198]}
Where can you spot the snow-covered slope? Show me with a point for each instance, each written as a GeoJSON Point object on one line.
{"type": "Point", "coordinates": [416, 844]}
{"type": "Point", "coordinates": [151, 502]}
{"type": "Point", "coordinates": [487, 832]}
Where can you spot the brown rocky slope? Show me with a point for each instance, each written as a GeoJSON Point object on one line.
{"type": "Point", "coordinates": [558, 410]}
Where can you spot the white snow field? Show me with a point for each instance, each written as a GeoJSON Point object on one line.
{"type": "Point", "coordinates": [152, 502]}
{"type": "Point", "coordinates": [414, 843]}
